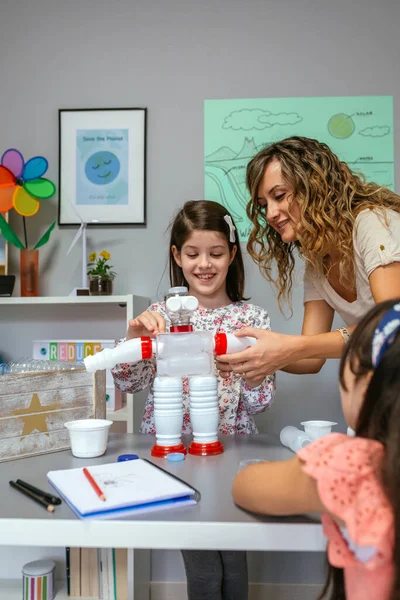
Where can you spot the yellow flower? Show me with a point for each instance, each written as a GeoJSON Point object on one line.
{"type": "Point", "coordinates": [92, 256]}
{"type": "Point", "coordinates": [105, 254]}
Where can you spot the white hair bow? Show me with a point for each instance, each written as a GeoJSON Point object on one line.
{"type": "Point", "coordinates": [232, 228]}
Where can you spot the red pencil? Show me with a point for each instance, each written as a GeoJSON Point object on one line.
{"type": "Point", "coordinates": [93, 483]}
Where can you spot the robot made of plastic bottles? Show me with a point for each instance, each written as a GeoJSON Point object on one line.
{"type": "Point", "coordinates": [181, 353]}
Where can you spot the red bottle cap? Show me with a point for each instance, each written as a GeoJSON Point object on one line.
{"type": "Point", "coordinates": [163, 451]}
{"type": "Point", "coordinates": [147, 347]}
{"type": "Point", "coordinates": [180, 328]}
{"type": "Point", "coordinates": [210, 449]}
{"type": "Point", "coordinates": [221, 343]}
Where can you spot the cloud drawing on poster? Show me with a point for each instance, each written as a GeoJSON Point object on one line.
{"type": "Point", "coordinates": [375, 131]}
{"type": "Point", "coordinates": [256, 118]}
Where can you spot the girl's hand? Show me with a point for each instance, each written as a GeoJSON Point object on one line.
{"type": "Point", "coordinates": [146, 324]}
{"type": "Point", "coordinates": [271, 352]}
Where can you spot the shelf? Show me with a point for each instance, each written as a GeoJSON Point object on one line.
{"type": "Point", "coordinates": [40, 300]}
{"type": "Point", "coordinates": [118, 415]}
{"type": "Point", "coordinates": [10, 589]}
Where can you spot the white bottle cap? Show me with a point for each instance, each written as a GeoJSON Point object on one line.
{"type": "Point", "coordinates": [174, 304]}
{"type": "Point", "coordinates": [189, 303]}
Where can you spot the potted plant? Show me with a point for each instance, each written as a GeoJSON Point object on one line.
{"type": "Point", "coordinates": [100, 275]}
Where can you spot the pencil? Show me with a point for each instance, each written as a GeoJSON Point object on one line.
{"type": "Point", "coordinates": [45, 495]}
{"type": "Point", "coordinates": [33, 496]}
{"type": "Point", "coordinates": [93, 483]}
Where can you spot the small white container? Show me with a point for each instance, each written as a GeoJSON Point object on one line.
{"type": "Point", "coordinates": [205, 424]}
{"type": "Point", "coordinates": [194, 394]}
{"type": "Point", "coordinates": [88, 437]}
{"type": "Point", "coordinates": [294, 438]}
{"type": "Point", "coordinates": [201, 384]}
{"type": "Point", "coordinates": [201, 404]}
{"type": "Point", "coordinates": [317, 429]}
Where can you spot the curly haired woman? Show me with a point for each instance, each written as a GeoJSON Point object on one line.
{"type": "Point", "coordinates": [305, 200]}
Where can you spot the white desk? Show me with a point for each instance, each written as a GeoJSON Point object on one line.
{"type": "Point", "coordinates": [214, 523]}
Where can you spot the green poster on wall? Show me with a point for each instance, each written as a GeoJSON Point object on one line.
{"type": "Point", "coordinates": [359, 129]}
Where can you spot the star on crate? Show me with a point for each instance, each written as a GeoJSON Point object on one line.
{"type": "Point", "coordinates": [34, 416]}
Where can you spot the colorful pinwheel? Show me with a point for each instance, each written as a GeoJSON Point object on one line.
{"type": "Point", "coordinates": [21, 188]}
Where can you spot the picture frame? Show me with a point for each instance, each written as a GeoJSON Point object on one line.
{"type": "Point", "coordinates": [3, 252]}
{"type": "Point", "coordinates": [102, 166]}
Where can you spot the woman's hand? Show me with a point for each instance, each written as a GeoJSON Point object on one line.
{"type": "Point", "coordinates": [147, 323]}
{"type": "Point", "coordinates": [225, 369]}
{"type": "Point", "coordinates": [271, 352]}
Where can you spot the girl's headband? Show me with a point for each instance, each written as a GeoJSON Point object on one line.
{"type": "Point", "coordinates": [385, 333]}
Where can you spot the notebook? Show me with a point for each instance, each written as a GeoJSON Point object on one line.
{"type": "Point", "coordinates": [130, 487]}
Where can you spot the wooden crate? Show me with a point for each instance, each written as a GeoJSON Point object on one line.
{"type": "Point", "coordinates": [35, 406]}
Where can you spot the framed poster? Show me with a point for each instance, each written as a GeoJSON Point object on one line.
{"type": "Point", "coordinates": [102, 166]}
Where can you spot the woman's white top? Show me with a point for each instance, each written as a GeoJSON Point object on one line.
{"type": "Point", "coordinates": [376, 242]}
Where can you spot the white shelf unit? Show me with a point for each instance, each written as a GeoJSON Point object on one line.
{"type": "Point", "coordinates": [64, 307]}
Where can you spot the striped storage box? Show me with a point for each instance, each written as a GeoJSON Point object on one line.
{"type": "Point", "coordinates": [39, 580]}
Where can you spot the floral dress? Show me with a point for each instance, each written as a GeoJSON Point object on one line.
{"type": "Point", "coordinates": [237, 401]}
{"type": "Point", "coordinates": [347, 473]}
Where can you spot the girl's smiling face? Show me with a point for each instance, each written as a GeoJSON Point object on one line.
{"type": "Point", "coordinates": [204, 259]}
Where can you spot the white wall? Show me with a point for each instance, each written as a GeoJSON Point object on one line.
{"type": "Point", "coordinates": [170, 55]}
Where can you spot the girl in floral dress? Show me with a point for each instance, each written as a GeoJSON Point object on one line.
{"type": "Point", "coordinates": [353, 481]}
{"type": "Point", "coordinates": [205, 257]}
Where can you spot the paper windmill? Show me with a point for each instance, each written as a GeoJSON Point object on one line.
{"type": "Point", "coordinates": [21, 188]}
{"type": "Point", "coordinates": [22, 184]}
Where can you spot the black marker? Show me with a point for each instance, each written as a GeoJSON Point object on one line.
{"type": "Point", "coordinates": [45, 495]}
{"type": "Point", "coordinates": [33, 496]}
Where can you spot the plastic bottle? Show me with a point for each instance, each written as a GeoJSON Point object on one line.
{"type": "Point", "coordinates": [32, 365]}
{"type": "Point", "coordinates": [294, 438]}
{"type": "Point", "coordinates": [127, 352]}
{"type": "Point", "coordinates": [186, 354]}
{"type": "Point", "coordinates": [227, 343]}
{"type": "Point", "coordinates": [179, 308]}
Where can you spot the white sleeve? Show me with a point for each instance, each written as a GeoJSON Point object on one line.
{"type": "Point", "coordinates": [377, 238]}
{"type": "Point", "coordinates": [310, 290]}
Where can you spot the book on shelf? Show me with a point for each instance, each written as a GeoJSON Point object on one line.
{"type": "Point", "coordinates": [102, 573]}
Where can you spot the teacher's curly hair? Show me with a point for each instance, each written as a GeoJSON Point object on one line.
{"type": "Point", "coordinates": [330, 196]}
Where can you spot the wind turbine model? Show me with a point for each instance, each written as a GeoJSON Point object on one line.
{"type": "Point", "coordinates": [81, 233]}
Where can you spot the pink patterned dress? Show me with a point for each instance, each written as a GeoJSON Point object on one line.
{"type": "Point", "coordinates": [237, 401]}
{"type": "Point", "coordinates": [347, 473]}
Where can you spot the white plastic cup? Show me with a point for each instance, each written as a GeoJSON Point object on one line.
{"type": "Point", "coordinates": [204, 424]}
{"type": "Point", "coordinates": [203, 394]}
{"type": "Point", "coordinates": [294, 438]}
{"type": "Point", "coordinates": [168, 384]}
{"type": "Point", "coordinates": [203, 405]}
{"type": "Point", "coordinates": [317, 429]}
{"type": "Point", "coordinates": [168, 410]}
{"type": "Point", "coordinates": [168, 424]}
{"type": "Point", "coordinates": [204, 383]}
{"type": "Point", "coordinates": [88, 437]}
